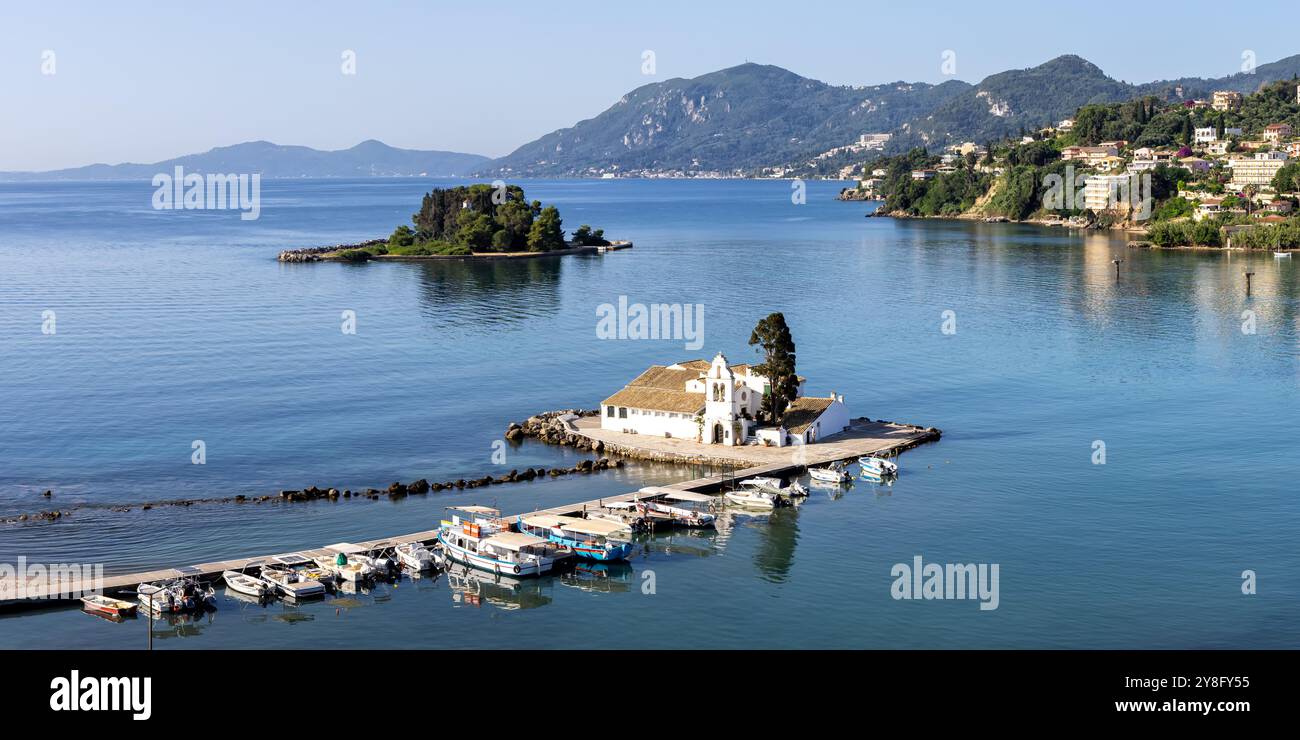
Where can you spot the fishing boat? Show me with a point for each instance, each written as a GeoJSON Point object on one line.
{"type": "Point", "coordinates": [477, 536]}
{"type": "Point", "coordinates": [751, 498]}
{"type": "Point", "coordinates": [102, 604]}
{"type": "Point", "coordinates": [878, 465]}
{"type": "Point", "coordinates": [415, 556]}
{"type": "Point", "coordinates": [832, 474]}
{"type": "Point", "coordinates": [246, 584]}
{"type": "Point", "coordinates": [593, 539]}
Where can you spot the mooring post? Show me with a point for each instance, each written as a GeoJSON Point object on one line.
{"type": "Point", "coordinates": [1116, 262]}
{"type": "Point", "coordinates": [1247, 274]}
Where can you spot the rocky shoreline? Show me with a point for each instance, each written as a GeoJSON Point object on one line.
{"type": "Point", "coordinates": [854, 194]}
{"type": "Point", "coordinates": [331, 253]}
{"type": "Point", "coordinates": [313, 254]}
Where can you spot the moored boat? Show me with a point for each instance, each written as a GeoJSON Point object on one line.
{"type": "Point", "coordinates": [414, 555]}
{"type": "Point", "coordinates": [774, 486]}
{"type": "Point", "coordinates": [168, 597]}
{"type": "Point", "coordinates": [688, 509]}
{"type": "Point", "coordinates": [477, 536]}
{"type": "Point", "coordinates": [289, 573]}
{"type": "Point", "coordinates": [751, 498]}
{"type": "Point", "coordinates": [878, 465]}
{"type": "Point", "coordinates": [828, 474]}
{"type": "Point", "coordinates": [247, 584]}
{"type": "Point", "coordinates": [102, 604]}
{"type": "Point", "coordinates": [593, 539]}
{"type": "Point", "coordinates": [343, 568]}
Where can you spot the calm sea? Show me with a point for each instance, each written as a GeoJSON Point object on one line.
{"type": "Point", "coordinates": [178, 326]}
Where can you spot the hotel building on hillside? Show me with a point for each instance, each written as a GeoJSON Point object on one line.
{"type": "Point", "coordinates": [1258, 170]}
{"type": "Point", "coordinates": [717, 403]}
{"type": "Point", "coordinates": [1226, 100]}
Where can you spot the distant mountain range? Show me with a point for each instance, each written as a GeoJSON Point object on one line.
{"type": "Point", "coordinates": [749, 116]}
{"type": "Point", "coordinates": [733, 121]}
{"type": "Point", "coordinates": [754, 116]}
{"type": "Point", "coordinates": [369, 158]}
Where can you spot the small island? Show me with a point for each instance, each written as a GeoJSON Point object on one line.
{"type": "Point", "coordinates": [470, 222]}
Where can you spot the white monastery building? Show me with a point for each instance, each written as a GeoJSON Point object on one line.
{"type": "Point", "coordinates": [717, 403]}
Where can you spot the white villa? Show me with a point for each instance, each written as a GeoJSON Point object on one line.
{"type": "Point", "coordinates": [717, 403]}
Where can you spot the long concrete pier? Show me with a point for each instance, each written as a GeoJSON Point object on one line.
{"type": "Point", "coordinates": [862, 438]}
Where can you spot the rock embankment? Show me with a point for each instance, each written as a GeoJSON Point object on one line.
{"type": "Point", "coordinates": [315, 254]}
{"type": "Point", "coordinates": [856, 194]}
{"type": "Point", "coordinates": [555, 428]}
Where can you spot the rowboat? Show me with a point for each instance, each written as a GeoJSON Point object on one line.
{"type": "Point", "coordinates": [246, 584]}
{"type": "Point", "coordinates": [878, 465]}
{"type": "Point", "coordinates": [477, 536]}
{"type": "Point", "coordinates": [593, 539]}
{"type": "Point", "coordinates": [105, 605]}
{"type": "Point", "coordinates": [1281, 254]}
{"type": "Point", "coordinates": [414, 556]}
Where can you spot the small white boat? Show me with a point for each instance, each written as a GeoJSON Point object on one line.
{"type": "Point", "coordinates": [415, 556]}
{"type": "Point", "coordinates": [878, 465]}
{"type": "Point", "coordinates": [1281, 254]}
{"type": "Point", "coordinates": [288, 574]}
{"type": "Point", "coordinates": [350, 570]}
{"type": "Point", "coordinates": [106, 605]}
{"type": "Point", "coordinates": [165, 598]}
{"type": "Point", "coordinates": [380, 567]}
{"type": "Point", "coordinates": [828, 475]}
{"type": "Point", "coordinates": [246, 584]}
{"type": "Point", "coordinates": [752, 498]}
{"type": "Point", "coordinates": [774, 486]}
{"type": "Point", "coordinates": [688, 509]}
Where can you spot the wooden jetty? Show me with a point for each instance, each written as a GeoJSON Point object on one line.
{"type": "Point", "coordinates": [853, 444]}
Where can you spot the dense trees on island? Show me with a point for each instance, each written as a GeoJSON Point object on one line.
{"type": "Point", "coordinates": [471, 219]}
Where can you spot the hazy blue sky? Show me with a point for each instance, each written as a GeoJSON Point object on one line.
{"type": "Point", "coordinates": [137, 82]}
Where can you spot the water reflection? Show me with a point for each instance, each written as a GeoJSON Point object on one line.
{"type": "Point", "coordinates": [605, 578]}
{"type": "Point", "coordinates": [489, 293]}
{"type": "Point", "coordinates": [471, 587]}
{"type": "Point", "coordinates": [775, 554]}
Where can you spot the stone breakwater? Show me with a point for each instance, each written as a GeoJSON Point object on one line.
{"type": "Point", "coordinates": [396, 490]}
{"type": "Point", "coordinates": [313, 254]}
{"type": "Point", "coordinates": [554, 427]}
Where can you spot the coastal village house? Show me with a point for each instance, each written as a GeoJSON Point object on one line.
{"type": "Point", "coordinates": [717, 403]}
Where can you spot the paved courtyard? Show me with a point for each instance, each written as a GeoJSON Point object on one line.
{"type": "Point", "coordinates": [862, 438]}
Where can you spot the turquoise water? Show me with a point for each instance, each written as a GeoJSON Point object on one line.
{"type": "Point", "coordinates": [175, 326]}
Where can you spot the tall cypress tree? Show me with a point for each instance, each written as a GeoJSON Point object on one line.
{"type": "Point", "coordinates": [773, 336]}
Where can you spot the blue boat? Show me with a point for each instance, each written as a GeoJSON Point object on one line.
{"type": "Point", "coordinates": [593, 539]}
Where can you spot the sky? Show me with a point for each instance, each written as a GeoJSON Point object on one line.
{"type": "Point", "coordinates": [87, 82]}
